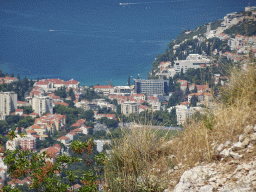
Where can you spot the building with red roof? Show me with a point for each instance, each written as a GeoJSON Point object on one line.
{"type": "Point", "coordinates": [53, 152]}
{"type": "Point", "coordinates": [8, 80]}
{"type": "Point", "coordinates": [19, 112]}
{"type": "Point", "coordinates": [54, 84]}
{"type": "Point", "coordinates": [104, 90]}
{"type": "Point", "coordinates": [65, 140]}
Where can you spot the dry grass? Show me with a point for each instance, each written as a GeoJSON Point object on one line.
{"type": "Point", "coordinates": [199, 140]}
{"type": "Point", "coordinates": [137, 162]}
{"type": "Point", "coordinates": [135, 159]}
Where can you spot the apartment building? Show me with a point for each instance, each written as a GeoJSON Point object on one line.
{"type": "Point", "coordinates": [53, 122]}
{"type": "Point", "coordinates": [27, 143]}
{"type": "Point", "coordinates": [151, 86]}
{"type": "Point", "coordinates": [41, 104]}
{"type": "Point", "coordinates": [129, 107]}
{"type": "Point", "coordinates": [8, 103]}
{"type": "Point", "coordinates": [185, 112]}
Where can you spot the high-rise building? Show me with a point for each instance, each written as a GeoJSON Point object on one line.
{"type": "Point", "coordinates": [151, 86]}
{"type": "Point", "coordinates": [8, 103]}
{"type": "Point", "coordinates": [41, 104]}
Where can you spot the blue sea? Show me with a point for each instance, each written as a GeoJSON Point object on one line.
{"type": "Point", "coordinates": [97, 41]}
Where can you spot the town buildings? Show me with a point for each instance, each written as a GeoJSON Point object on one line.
{"type": "Point", "coordinates": [54, 84]}
{"type": "Point", "coordinates": [8, 103]}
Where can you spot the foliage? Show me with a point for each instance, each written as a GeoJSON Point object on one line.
{"type": "Point", "coordinates": [3, 127]}
{"type": "Point", "coordinates": [20, 87]}
{"type": "Point", "coordinates": [156, 118]}
{"type": "Point", "coordinates": [216, 24]}
{"type": "Point", "coordinates": [88, 115]}
{"type": "Point", "coordinates": [175, 99]}
{"type": "Point", "coordinates": [26, 109]}
{"type": "Point", "coordinates": [26, 122]}
{"type": "Point", "coordinates": [109, 122]}
{"type": "Point", "coordinates": [194, 101]}
{"type": "Point", "coordinates": [105, 110]}
{"type": "Point", "coordinates": [90, 94]}
{"type": "Point", "coordinates": [71, 94]}
{"type": "Point", "coordinates": [246, 28]}
{"type": "Point", "coordinates": [61, 92]}
{"type": "Point", "coordinates": [71, 113]}
{"type": "Point", "coordinates": [204, 133]}
{"type": "Point", "coordinates": [24, 163]}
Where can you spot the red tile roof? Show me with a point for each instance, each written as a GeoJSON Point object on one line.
{"type": "Point", "coordinates": [63, 138]}
{"type": "Point", "coordinates": [60, 103]}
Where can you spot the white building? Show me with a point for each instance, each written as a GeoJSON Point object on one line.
{"type": "Point", "coordinates": [250, 8]}
{"type": "Point", "coordinates": [185, 112]}
{"type": "Point", "coordinates": [193, 61]}
{"type": "Point", "coordinates": [41, 104]}
{"type": "Point", "coordinates": [101, 143]}
{"type": "Point", "coordinates": [105, 90]}
{"type": "Point", "coordinates": [122, 90]}
{"type": "Point", "coordinates": [8, 102]}
{"type": "Point", "coordinates": [129, 107]}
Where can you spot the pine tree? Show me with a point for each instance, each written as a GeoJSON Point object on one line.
{"type": "Point", "coordinates": [129, 81]}
{"type": "Point", "coordinates": [187, 90]}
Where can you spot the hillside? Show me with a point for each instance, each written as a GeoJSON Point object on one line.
{"type": "Point", "coordinates": [215, 152]}
{"type": "Point", "coordinates": [220, 39]}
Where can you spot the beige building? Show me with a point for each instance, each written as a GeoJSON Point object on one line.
{"type": "Point", "coordinates": [129, 107]}
{"type": "Point", "coordinates": [184, 113]}
{"type": "Point", "coordinates": [41, 104]}
{"type": "Point", "coordinates": [8, 103]}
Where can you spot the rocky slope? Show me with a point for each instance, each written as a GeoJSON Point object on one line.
{"type": "Point", "coordinates": [234, 169]}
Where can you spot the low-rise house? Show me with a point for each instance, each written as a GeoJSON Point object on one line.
{"type": "Point", "coordinates": [143, 108]}
{"type": "Point", "coordinates": [78, 123]}
{"type": "Point", "coordinates": [41, 130]}
{"type": "Point", "coordinates": [53, 152]}
{"type": "Point", "coordinates": [122, 90]}
{"type": "Point", "coordinates": [101, 143]}
{"type": "Point", "coordinates": [104, 90]}
{"type": "Point", "coordinates": [203, 88]}
{"type": "Point", "coordinates": [60, 103]}
{"type": "Point", "coordinates": [71, 135]}
{"type": "Point", "coordinates": [85, 129]}
{"type": "Point", "coordinates": [22, 104]}
{"type": "Point", "coordinates": [99, 116]}
{"type": "Point", "coordinates": [65, 140]}
{"type": "Point", "coordinates": [8, 80]}
{"type": "Point", "coordinates": [19, 112]}
{"type": "Point", "coordinates": [34, 114]}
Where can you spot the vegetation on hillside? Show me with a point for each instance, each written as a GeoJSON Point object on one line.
{"type": "Point", "coordinates": [139, 161]}
{"type": "Point", "coordinates": [246, 28]}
